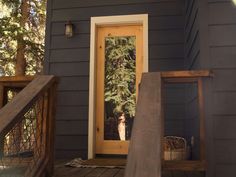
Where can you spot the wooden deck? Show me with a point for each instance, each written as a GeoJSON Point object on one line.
{"type": "Point", "coordinates": [115, 172]}
{"type": "Point", "coordinates": [88, 172]}
{"type": "Point", "coordinates": [62, 171]}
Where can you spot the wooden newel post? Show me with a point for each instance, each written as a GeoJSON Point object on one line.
{"type": "Point", "coordinates": [51, 129]}
{"type": "Point", "coordinates": [145, 151]}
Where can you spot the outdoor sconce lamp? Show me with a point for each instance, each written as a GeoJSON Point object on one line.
{"type": "Point", "coordinates": [234, 1]}
{"type": "Point", "coordinates": [69, 27]}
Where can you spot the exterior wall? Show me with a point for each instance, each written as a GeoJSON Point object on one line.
{"type": "Point", "coordinates": [216, 49]}
{"type": "Point", "coordinates": [222, 56]}
{"type": "Point", "coordinates": [174, 110]}
{"type": "Point", "coordinates": [69, 58]}
{"type": "Point", "coordinates": [199, 36]}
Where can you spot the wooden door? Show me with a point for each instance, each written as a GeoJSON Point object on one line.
{"type": "Point", "coordinates": [119, 65]}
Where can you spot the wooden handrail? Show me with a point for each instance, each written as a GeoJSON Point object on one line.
{"type": "Point", "coordinates": [20, 104]}
{"type": "Point", "coordinates": [39, 95]}
{"type": "Point", "coordinates": [186, 74]}
{"type": "Point", "coordinates": [16, 83]}
{"type": "Point", "coordinates": [16, 78]}
{"type": "Point", "coordinates": [146, 154]}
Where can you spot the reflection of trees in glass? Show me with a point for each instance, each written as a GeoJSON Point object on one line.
{"type": "Point", "coordinates": [120, 74]}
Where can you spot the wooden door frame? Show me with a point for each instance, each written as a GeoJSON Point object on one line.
{"type": "Point", "coordinates": [140, 19]}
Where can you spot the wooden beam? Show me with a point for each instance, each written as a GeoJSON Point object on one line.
{"type": "Point", "coordinates": [15, 81]}
{"type": "Point", "coordinates": [187, 165]}
{"type": "Point", "coordinates": [202, 120]}
{"type": "Point", "coordinates": [15, 84]}
{"type": "Point", "coordinates": [186, 74]}
{"type": "Point", "coordinates": [1, 96]}
{"type": "Point", "coordinates": [180, 80]}
{"type": "Point", "coordinates": [51, 128]}
{"type": "Point", "coordinates": [16, 78]}
{"type": "Point", "coordinates": [14, 110]}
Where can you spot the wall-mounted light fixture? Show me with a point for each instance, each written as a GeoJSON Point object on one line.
{"type": "Point", "coordinates": [234, 1]}
{"type": "Point", "coordinates": [69, 29]}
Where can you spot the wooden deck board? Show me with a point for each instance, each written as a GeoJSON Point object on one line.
{"type": "Point", "coordinates": [110, 172]}
{"type": "Point", "coordinates": [88, 172]}
{"type": "Point", "coordinates": [121, 173]}
{"type": "Point", "coordinates": [96, 172]}
{"type": "Point", "coordinates": [63, 171]}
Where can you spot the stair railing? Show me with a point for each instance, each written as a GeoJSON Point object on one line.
{"type": "Point", "coordinates": [27, 126]}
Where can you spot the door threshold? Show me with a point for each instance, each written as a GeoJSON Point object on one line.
{"type": "Point", "coordinates": [106, 162]}
{"type": "Point", "coordinates": [110, 156]}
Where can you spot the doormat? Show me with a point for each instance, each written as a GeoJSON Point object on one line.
{"type": "Point", "coordinates": [97, 163]}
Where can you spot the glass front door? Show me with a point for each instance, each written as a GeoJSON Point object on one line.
{"type": "Point", "coordinates": [119, 68]}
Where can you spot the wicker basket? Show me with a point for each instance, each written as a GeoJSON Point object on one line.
{"type": "Point", "coordinates": [175, 148]}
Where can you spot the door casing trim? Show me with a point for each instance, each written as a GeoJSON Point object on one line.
{"type": "Point", "coordinates": [140, 19]}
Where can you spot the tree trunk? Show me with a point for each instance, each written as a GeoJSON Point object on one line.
{"type": "Point", "coordinates": [21, 65]}
{"type": "Point", "coordinates": [20, 59]}
{"type": "Point", "coordinates": [20, 56]}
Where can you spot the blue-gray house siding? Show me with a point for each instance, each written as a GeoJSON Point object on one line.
{"type": "Point", "coordinates": [214, 47]}
{"type": "Point", "coordinates": [69, 58]}
{"type": "Point", "coordinates": [183, 35]}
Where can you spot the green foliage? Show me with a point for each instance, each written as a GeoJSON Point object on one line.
{"type": "Point", "coordinates": [120, 74]}
{"type": "Point", "coordinates": [32, 33]}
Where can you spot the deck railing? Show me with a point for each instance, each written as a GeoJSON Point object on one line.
{"type": "Point", "coordinates": [146, 152]}
{"type": "Point", "coordinates": [27, 126]}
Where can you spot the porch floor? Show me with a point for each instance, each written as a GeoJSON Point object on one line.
{"type": "Point", "coordinates": [115, 172]}
{"type": "Point", "coordinates": [62, 171]}
{"type": "Point", "coordinates": [88, 172]}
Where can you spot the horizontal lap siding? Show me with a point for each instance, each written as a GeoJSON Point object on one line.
{"type": "Point", "coordinates": [84, 13]}
{"type": "Point", "coordinates": [68, 58]}
{"type": "Point", "coordinates": [72, 113]}
{"type": "Point", "coordinates": [60, 4]}
{"type": "Point", "coordinates": [221, 89]}
{"type": "Point", "coordinates": [192, 121]}
{"type": "Point", "coordinates": [174, 109]}
{"type": "Point", "coordinates": [225, 170]}
{"type": "Point", "coordinates": [219, 53]}
{"type": "Point", "coordinates": [222, 41]}
{"type": "Point", "coordinates": [223, 57]}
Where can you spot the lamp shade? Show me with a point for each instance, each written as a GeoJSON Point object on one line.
{"type": "Point", "coordinates": [69, 29]}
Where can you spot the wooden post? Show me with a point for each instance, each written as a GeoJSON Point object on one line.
{"type": "Point", "coordinates": [202, 120]}
{"type": "Point", "coordinates": [1, 105]}
{"type": "Point", "coordinates": [145, 151]}
{"type": "Point", "coordinates": [51, 129]}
